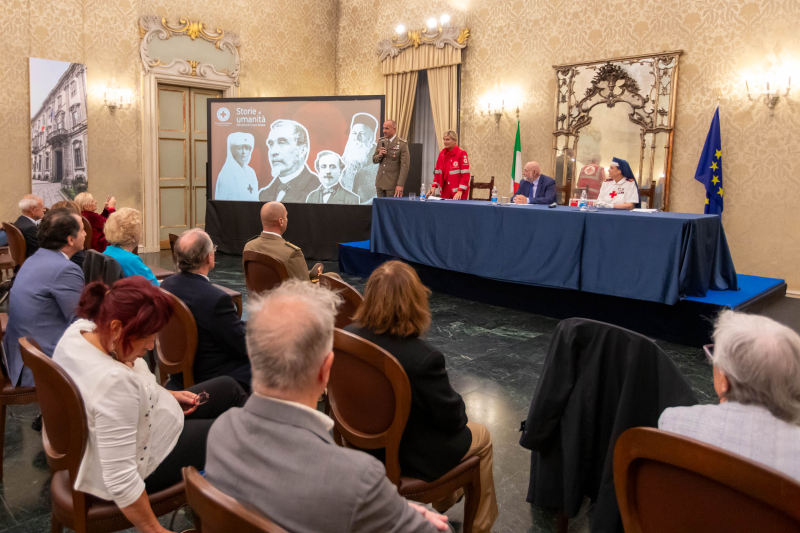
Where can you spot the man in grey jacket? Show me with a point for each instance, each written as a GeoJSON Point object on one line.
{"type": "Point", "coordinates": [276, 453]}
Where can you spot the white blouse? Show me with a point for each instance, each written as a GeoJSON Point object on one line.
{"type": "Point", "coordinates": [133, 422]}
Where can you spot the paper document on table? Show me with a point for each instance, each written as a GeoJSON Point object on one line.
{"type": "Point", "coordinates": [645, 210]}
{"type": "Point", "coordinates": [433, 198]}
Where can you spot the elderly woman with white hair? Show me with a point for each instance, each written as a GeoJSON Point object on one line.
{"type": "Point", "coordinates": [756, 365]}
{"type": "Point", "coordinates": [124, 231]}
{"type": "Point", "coordinates": [88, 207]}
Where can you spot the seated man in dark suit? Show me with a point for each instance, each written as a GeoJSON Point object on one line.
{"type": "Point", "coordinates": [277, 454]}
{"type": "Point", "coordinates": [32, 208]}
{"type": "Point", "coordinates": [46, 291]}
{"type": "Point", "coordinates": [536, 188]}
{"type": "Point", "coordinates": [221, 349]}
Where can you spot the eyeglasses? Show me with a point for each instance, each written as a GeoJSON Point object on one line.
{"type": "Point", "coordinates": [709, 351]}
{"type": "Point", "coordinates": [201, 398]}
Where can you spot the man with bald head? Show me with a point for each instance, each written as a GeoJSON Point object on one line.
{"type": "Point", "coordinates": [221, 347]}
{"type": "Point", "coordinates": [32, 208]}
{"type": "Point", "coordinates": [535, 188]}
{"type": "Point", "coordinates": [274, 221]}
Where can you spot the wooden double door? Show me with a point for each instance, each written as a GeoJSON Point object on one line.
{"type": "Point", "coordinates": [182, 157]}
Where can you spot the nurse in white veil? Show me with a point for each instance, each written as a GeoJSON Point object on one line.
{"type": "Point", "coordinates": [236, 180]}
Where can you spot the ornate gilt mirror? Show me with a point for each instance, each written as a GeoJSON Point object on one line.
{"type": "Point", "coordinates": [622, 108]}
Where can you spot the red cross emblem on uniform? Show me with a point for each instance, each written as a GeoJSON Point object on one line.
{"type": "Point", "coordinates": [589, 170]}
{"type": "Point", "coordinates": [613, 194]}
{"type": "Point", "coordinates": [455, 163]}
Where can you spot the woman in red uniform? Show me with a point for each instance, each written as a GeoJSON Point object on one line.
{"type": "Point", "coordinates": [452, 170]}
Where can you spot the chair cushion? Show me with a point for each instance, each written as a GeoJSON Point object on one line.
{"type": "Point", "coordinates": [455, 478]}
{"type": "Point", "coordinates": [104, 511]}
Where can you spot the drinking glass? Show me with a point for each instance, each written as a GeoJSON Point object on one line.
{"type": "Point", "coordinates": [412, 196]}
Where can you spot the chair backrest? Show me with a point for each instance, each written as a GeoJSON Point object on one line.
{"type": "Point", "coordinates": [352, 299]}
{"type": "Point", "coordinates": [370, 397]}
{"type": "Point", "coordinates": [666, 483]}
{"type": "Point", "coordinates": [262, 272]}
{"type": "Point", "coordinates": [16, 243]}
{"type": "Point", "coordinates": [649, 194]}
{"type": "Point", "coordinates": [480, 185]}
{"type": "Point", "coordinates": [176, 343]}
{"type": "Point", "coordinates": [63, 411]}
{"type": "Point", "coordinates": [97, 266]}
{"type": "Point", "coordinates": [172, 240]}
{"type": "Point", "coordinates": [216, 512]}
{"type": "Point", "coordinates": [87, 227]}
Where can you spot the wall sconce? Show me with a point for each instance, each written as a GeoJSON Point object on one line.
{"type": "Point", "coordinates": [494, 104]}
{"type": "Point", "coordinates": [770, 95]}
{"type": "Point", "coordinates": [116, 98]}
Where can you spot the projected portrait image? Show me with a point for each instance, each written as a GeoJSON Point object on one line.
{"type": "Point", "coordinates": [329, 166]}
{"type": "Point", "coordinates": [237, 180]}
{"type": "Point", "coordinates": [360, 172]}
{"type": "Point", "coordinates": [288, 149]}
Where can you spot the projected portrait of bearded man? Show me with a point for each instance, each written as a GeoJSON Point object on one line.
{"type": "Point", "coordinates": [292, 180]}
{"type": "Point", "coordinates": [237, 180]}
{"type": "Point", "coordinates": [360, 172]}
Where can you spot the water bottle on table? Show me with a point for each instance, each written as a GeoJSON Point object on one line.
{"type": "Point", "coordinates": [584, 202]}
{"type": "Point", "coordinates": [494, 196]}
{"type": "Point", "coordinates": [422, 192]}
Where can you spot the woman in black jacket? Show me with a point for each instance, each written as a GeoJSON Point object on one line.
{"type": "Point", "coordinates": [438, 435]}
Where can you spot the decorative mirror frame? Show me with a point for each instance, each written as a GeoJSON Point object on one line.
{"type": "Point", "coordinates": [651, 108]}
{"type": "Point", "coordinates": [185, 73]}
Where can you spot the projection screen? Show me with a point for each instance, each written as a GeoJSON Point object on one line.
{"type": "Point", "coordinates": [301, 150]}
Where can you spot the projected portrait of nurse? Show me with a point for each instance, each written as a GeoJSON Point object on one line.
{"type": "Point", "coordinates": [236, 180]}
{"type": "Point", "coordinates": [288, 150]}
{"type": "Point", "coordinates": [329, 168]}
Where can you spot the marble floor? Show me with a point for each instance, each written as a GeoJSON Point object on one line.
{"type": "Point", "coordinates": [494, 358]}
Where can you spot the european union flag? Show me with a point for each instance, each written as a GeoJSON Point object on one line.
{"type": "Point", "coordinates": [709, 170]}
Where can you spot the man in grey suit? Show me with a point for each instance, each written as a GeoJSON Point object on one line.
{"type": "Point", "coordinates": [276, 453]}
{"type": "Point", "coordinates": [46, 291]}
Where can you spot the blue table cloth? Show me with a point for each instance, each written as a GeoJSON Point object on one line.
{"type": "Point", "coordinates": [660, 257]}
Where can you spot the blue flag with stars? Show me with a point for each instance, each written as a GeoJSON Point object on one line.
{"type": "Point", "coordinates": [709, 170]}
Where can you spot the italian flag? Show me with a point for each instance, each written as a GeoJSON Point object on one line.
{"type": "Point", "coordinates": [516, 165]}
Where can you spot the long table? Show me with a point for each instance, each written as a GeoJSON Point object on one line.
{"type": "Point", "coordinates": [659, 257]}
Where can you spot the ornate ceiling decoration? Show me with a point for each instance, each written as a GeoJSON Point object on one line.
{"type": "Point", "coordinates": [455, 37]}
{"type": "Point", "coordinates": [151, 26]}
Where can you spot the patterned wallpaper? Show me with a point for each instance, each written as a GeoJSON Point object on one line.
{"type": "Point", "coordinates": [284, 52]}
{"type": "Point", "coordinates": [514, 43]}
{"type": "Point", "coordinates": [308, 47]}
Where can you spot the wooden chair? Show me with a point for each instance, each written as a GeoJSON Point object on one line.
{"type": "Point", "coordinates": [87, 227]}
{"type": "Point", "coordinates": [262, 272]}
{"type": "Point", "coordinates": [649, 195]}
{"type": "Point", "coordinates": [479, 185]}
{"type": "Point", "coordinates": [236, 296]}
{"type": "Point", "coordinates": [10, 395]}
{"type": "Point", "coordinates": [667, 483]}
{"type": "Point", "coordinates": [176, 343]}
{"type": "Point", "coordinates": [352, 299]}
{"type": "Point", "coordinates": [370, 400]}
{"type": "Point", "coordinates": [16, 243]}
{"type": "Point", "coordinates": [64, 434]}
{"type": "Point", "coordinates": [216, 512]}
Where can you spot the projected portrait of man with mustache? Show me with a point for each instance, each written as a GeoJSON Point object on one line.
{"type": "Point", "coordinates": [360, 172]}
{"type": "Point", "coordinates": [329, 166]}
{"type": "Point", "coordinates": [288, 150]}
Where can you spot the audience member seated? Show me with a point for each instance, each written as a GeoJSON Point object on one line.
{"type": "Point", "coordinates": [221, 346]}
{"type": "Point", "coordinates": [277, 454]}
{"type": "Point", "coordinates": [72, 207]}
{"type": "Point", "coordinates": [274, 222]}
{"type": "Point", "coordinates": [124, 231]}
{"type": "Point", "coordinates": [32, 209]}
{"type": "Point", "coordinates": [140, 434]}
{"type": "Point", "coordinates": [437, 436]}
{"type": "Point", "coordinates": [46, 291]}
{"type": "Point", "coordinates": [756, 368]}
{"type": "Point", "coordinates": [88, 206]}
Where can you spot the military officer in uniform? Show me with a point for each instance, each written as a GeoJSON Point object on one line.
{"type": "Point", "coordinates": [619, 191]}
{"type": "Point", "coordinates": [393, 157]}
{"type": "Point", "coordinates": [274, 221]}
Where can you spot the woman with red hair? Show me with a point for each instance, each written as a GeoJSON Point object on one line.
{"type": "Point", "coordinates": [140, 434]}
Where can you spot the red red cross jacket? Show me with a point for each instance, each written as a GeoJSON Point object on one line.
{"type": "Point", "coordinates": [452, 173]}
